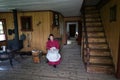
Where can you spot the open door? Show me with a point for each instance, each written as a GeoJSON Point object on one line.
{"type": "Point", "coordinates": [72, 29]}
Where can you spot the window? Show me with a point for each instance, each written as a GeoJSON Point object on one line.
{"type": "Point", "coordinates": [1, 28]}
{"type": "Point", "coordinates": [2, 33]}
{"type": "Point", "coordinates": [113, 13]}
{"type": "Point", "coordinates": [26, 23]}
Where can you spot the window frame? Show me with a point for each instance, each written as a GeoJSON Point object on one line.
{"type": "Point", "coordinates": [4, 28]}
{"type": "Point", "coordinates": [26, 20]}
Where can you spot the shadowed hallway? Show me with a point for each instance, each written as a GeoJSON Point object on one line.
{"type": "Point", "coordinates": [71, 68]}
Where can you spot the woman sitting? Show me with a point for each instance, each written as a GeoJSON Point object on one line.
{"type": "Point", "coordinates": [53, 55]}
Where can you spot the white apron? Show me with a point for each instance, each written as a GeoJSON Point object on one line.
{"type": "Point", "coordinates": [53, 55]}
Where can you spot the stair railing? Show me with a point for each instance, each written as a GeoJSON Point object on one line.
{"type": "Point", "coordinates": [85, 36]}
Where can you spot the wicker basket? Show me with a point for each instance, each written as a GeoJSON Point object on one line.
{"type": "Point", "coordinates": [36, 56]}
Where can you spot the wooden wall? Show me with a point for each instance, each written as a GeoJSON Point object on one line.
{"type": "Point", "coordinates": [112, 29]}
{"type": "Point", "coordinates": [39, 36]}
{"type": "Point", "coordinates": [71, 19]}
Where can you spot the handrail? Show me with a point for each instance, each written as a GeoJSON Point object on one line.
{"type": "Point", "coordinates": [85, 30]}
{"type": "Point", "coordinates": [84, 24]}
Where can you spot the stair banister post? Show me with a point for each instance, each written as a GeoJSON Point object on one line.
{"type": "Point", "coordinates": [88, 56]}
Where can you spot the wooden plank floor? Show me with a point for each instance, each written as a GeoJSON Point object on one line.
{"type": "Point", "coordinates": [71, 68]}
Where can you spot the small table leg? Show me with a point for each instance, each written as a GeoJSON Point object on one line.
{"type": "Point", "coordinates": [11, 62]}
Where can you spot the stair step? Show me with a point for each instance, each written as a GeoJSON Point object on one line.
{"type": "Point", "coordinates": [97, 34]}
{"type": "Point", "coordinates": [94, 24]}
{"type": "Point", "coordinates": [90, 7]}
{"type": "Point", "coordinates": [94, 11]}
{"type": "Point", "coordinates": [92, 19]}
{"type": "Point", "coordinates": [91, 15]}
{"type": "Point", "coordinates": [95, 29]}
{"type": "Point", "coordinates": [98, 46]}
{"type": "Point", "coordinates": [100, 69]}
{"type": "Point", "coordinates": [99, 52]}
{"type": "Point", "coordinates": [96, 40]}
{"type": "Point", "coordinates": [100, 60]}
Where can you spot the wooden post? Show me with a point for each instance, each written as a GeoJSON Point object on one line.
{"type": "Point", "coordinates": [118, 64]}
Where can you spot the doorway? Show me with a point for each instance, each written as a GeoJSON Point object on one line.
{"type": "Point", "coordinates": [72, 30]}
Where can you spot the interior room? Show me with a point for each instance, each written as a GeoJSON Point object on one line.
{"type": "Point", "coordinates": [60, 39]}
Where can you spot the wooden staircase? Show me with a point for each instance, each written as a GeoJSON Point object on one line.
{"type": "Point", "coordinates": [96, 52]}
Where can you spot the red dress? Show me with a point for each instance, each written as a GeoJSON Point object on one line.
{"type": "Point", "coordinates": [51, 44]}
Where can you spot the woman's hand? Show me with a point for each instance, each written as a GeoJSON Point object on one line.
{"type": "Point", "coordinates": [53, 48]}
